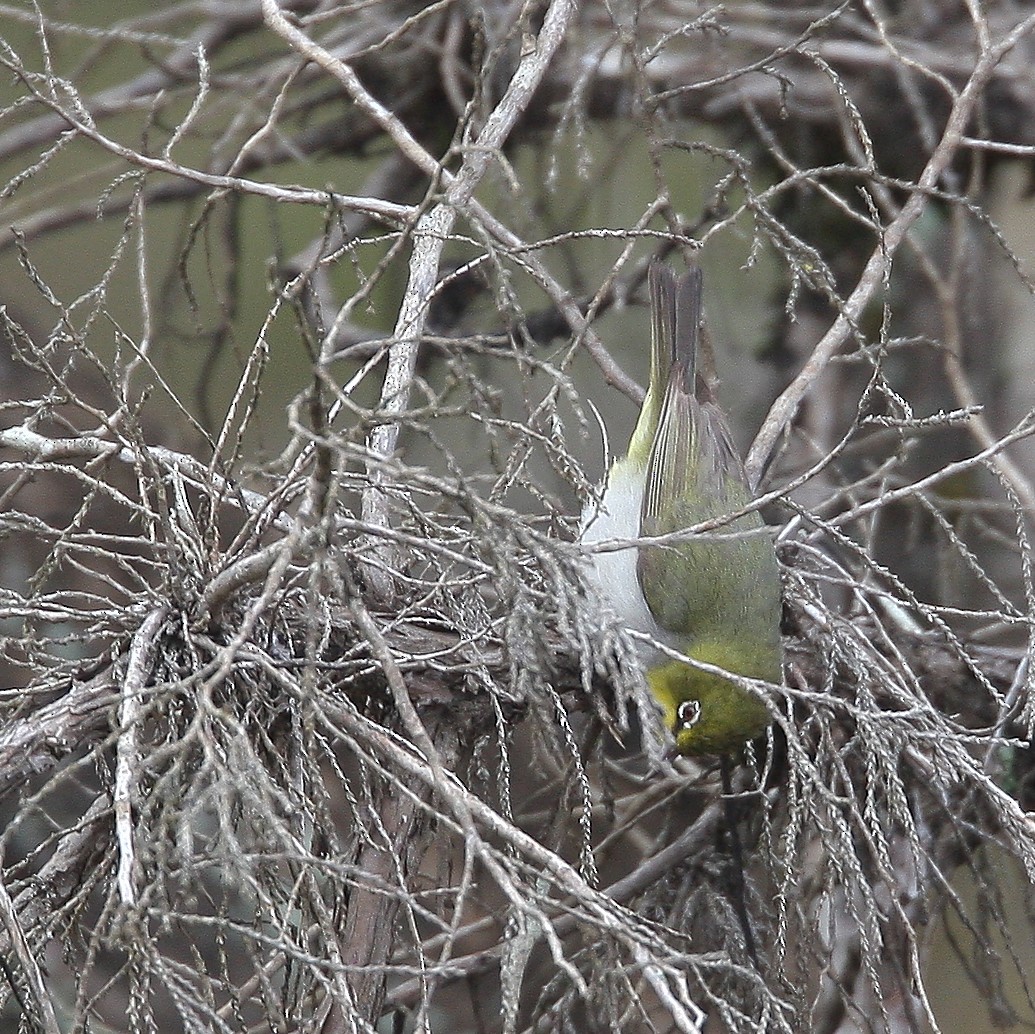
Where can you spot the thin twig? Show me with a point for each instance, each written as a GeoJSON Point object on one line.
{"type": "Point", "coordinates": [138, 670]}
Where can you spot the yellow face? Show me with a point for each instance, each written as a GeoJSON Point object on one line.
{"type": "Point", "coordinates": [706, 713]}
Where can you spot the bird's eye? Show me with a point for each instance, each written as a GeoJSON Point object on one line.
{"type": "Point", "coordinates": [688, 714]}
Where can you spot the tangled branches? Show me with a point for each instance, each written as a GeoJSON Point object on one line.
{"type": "Point", "coordinates": [311, 716]}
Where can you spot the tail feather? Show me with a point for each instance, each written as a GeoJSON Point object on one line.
{"type": "Point", "coordinates": [688, 291]}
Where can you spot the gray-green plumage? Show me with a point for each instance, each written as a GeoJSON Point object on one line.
{"type": "Point", "coordinates": [713, 596]}
{"type": "Point", "coordinates": [694, 475]}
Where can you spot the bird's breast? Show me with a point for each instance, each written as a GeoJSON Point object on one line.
{"type": "Point", "coordinates": [617, 517]}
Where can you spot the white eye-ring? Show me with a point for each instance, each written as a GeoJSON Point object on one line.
{"type": "Point", "coordinates": [688, 714]}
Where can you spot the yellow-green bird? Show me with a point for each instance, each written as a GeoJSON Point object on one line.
{"type": "Point", "coordinates": [713, 596]}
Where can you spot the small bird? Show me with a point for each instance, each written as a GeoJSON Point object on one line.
{"type": "Point", "coordinates": [713, 596]}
